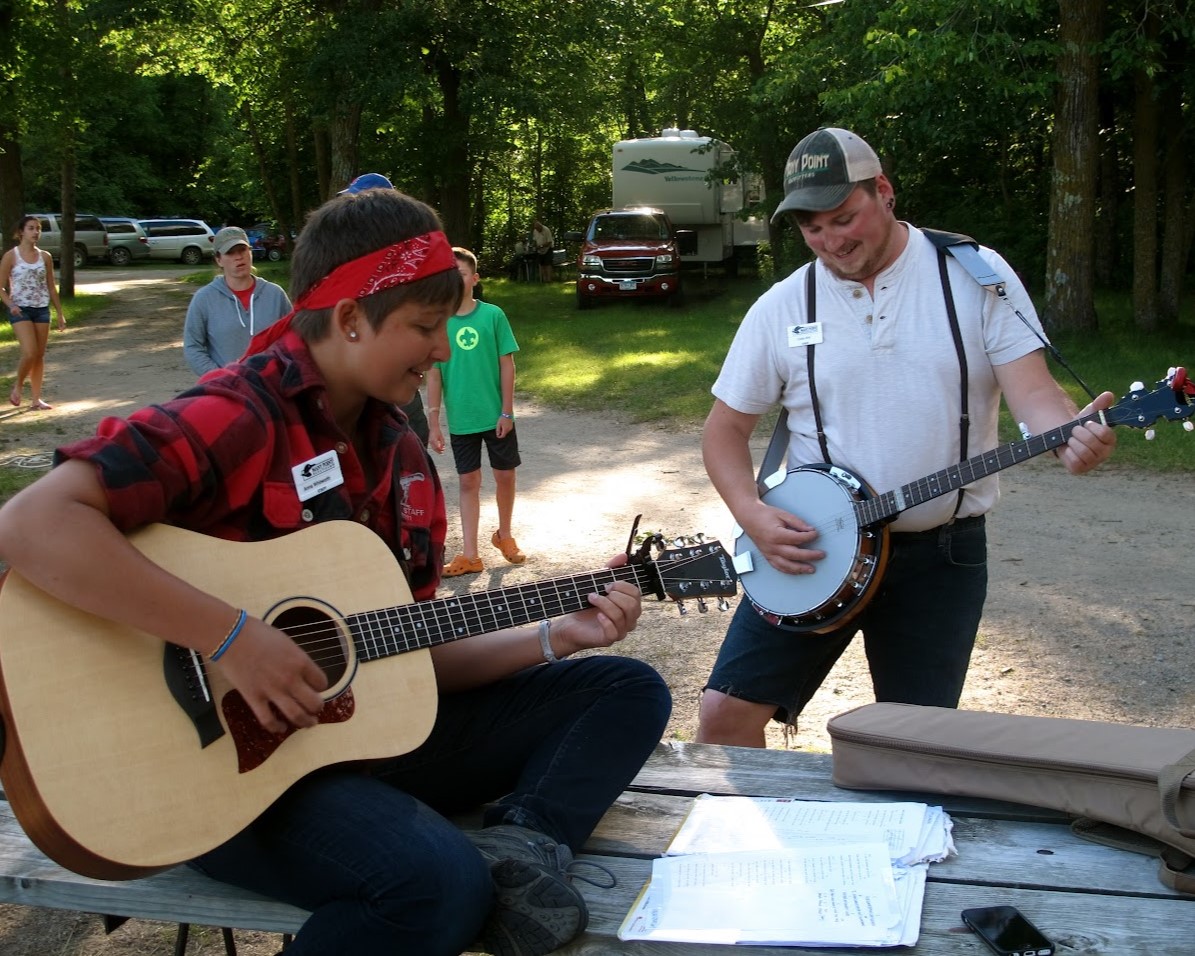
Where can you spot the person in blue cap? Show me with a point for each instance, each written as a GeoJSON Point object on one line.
{"type": "Point", "coordinates": [416, 416]}
{"type": "Point", "coordinates": [367, 181]}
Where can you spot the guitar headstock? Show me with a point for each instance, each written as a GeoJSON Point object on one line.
{"type": "Point", "coordinates": [1170, 399]}
{"type": "Point", "coordinates": [691, 569]}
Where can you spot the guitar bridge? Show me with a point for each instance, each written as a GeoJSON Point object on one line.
{"type": "Point", "coordinates": [187, 682]}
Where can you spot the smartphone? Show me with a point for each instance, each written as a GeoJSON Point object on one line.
{"type": "Point", "coordinates": [1007, 932]}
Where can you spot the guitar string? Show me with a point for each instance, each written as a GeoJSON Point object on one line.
{"type": "Point", "coordinates": [403, 624]}
{"type": "Point", "coordinates": [374, 627]}
{"type": "Point", "coordinates": [374, 631]}
{"type": "Point", "coordinates": [408, 627]}
{"type": "Point", "coordinates": [929, 487]}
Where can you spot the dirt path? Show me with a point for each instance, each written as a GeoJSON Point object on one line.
{"type": "Point", "coordinates": [1091, 597]}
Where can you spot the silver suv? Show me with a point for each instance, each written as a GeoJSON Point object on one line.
{"type": "Point", "coordinates": [91, 238]}
{"type": "Point", "coordinates": [189, 241]}
{"type": "Point", "coordinates": [127, 241]}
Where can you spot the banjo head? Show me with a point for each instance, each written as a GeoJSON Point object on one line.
{"type": "Point", "coordinates": [825, 497]}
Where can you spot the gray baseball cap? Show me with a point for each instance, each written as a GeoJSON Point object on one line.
{"type": "Point", "coordinates": [823, 169]}
{"type": "Point", "coordinates": [229, 238]}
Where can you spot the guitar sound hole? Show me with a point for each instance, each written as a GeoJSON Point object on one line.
{"type": "Point", "coordinates": [319, 634]}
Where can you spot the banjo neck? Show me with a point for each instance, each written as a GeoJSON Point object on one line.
{"type": "Point", "coordinates": [884, 507]}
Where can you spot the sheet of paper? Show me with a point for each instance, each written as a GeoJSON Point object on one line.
{"type": "Point", "coordinates": [912, 831]}
{"type": "Point", "coordinates": [845, 895]}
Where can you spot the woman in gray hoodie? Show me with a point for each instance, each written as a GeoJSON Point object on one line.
{"type": "Point", "coordinates": [227, 312]}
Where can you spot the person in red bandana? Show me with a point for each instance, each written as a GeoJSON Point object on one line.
{"type": "Point", "coordinates": [544, 743]}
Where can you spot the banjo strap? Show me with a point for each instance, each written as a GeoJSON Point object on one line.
{"type": "Point", "coordinates": [778, 444]}
{"type": "Point", "coordinates": [964, 249]}
{"type": "Point", "coordinates": [964, 421]}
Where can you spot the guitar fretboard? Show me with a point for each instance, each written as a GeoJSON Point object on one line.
{"type": "Point", "coordinates": [424, 624]}
{"type": "Point", "coordinates": [886, 506]}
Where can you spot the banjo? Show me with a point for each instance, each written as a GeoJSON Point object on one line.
{"type": "Point", "coordinates": [851, 518]}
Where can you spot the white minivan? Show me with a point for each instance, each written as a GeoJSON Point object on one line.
{"type": "Point", "coordinates": [188, 241]}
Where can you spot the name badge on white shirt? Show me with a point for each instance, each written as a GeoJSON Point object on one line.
{"type": "Point", "coordinates": [317, 475]}
{"type": "Point", "coordinates": [808, 334]}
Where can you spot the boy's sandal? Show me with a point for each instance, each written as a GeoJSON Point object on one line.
{"type": "Point", "coordinates": [462, 565]}
{"type": "Point", "coordinates": [509, 548]}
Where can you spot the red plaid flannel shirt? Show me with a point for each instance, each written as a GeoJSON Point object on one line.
{"type": "Point", "coordinates": [217, 459]}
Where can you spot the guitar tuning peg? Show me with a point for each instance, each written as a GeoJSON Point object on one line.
{"type": "Point", "coordinates": [1136, 386]}
{"type": "Point", "coordinates": [679, 542]}
{"type": "Point", "coordinates": [681, 609]}
{"type": "Point", "coordinates": [1150, 433]}
{"type": "Point", "coordinates": [723, 604]}
{"type": "Point", "coordinates": [702, 607]}
{"type": "Point", "coordinates": [699, 537]}
{"type": "Point", "coordinates": [1189, 426]}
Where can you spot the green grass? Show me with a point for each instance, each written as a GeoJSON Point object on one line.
{"type": "Point", "coordinates": [646, 362]}
{"type": "Point", "coordinates": [643, 361]}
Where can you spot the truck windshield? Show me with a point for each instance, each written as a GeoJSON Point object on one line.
{"type": "Point", "coordinates": [629, 227]}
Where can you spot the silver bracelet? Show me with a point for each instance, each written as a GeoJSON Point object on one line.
{"type": "Point", "coordinates": [545, 630]}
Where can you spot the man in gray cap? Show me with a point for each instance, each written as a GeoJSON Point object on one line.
{"type": "Point", "coordinates": [889, 361]}
{"type": "Point", "coordinates": [227, 312]}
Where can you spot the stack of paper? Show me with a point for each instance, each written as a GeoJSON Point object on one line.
{"type": "Point", "coordinates": [793, 872]}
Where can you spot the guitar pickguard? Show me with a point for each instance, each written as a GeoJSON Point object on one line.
{"type": "Point", "coordinates": [255, 744]}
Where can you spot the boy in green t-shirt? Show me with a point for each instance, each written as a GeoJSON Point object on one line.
{"type": "Point", "coordinates": [477, 386]}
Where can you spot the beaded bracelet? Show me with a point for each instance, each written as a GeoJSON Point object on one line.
{"type": "Point", "coordinates": [545, 629]}
{"type": "Point", "coordinates": [232, 636]}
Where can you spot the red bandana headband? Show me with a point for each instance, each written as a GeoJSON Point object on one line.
{"type": "Point", "coordinates": [402, 263]}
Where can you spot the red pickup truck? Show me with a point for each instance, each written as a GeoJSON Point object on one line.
{"type": "Point", "coordinates": [628, 253]}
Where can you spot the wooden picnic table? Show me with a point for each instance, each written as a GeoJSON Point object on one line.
{"type": "Point", "coordinates": [1089, 899]}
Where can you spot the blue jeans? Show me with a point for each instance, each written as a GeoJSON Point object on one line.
{"type": "Point", "coordinates": [31, 313]}
{"type": "Point", "coordinates": [372, 856]}
{"type": "Point", "coordinates": [918, 630]}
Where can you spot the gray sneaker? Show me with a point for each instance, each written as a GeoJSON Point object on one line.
{"type": "Point", "coordinates": [536, 908]}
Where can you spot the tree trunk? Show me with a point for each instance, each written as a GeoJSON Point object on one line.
{"type": "Point", "coordinates": [12, 183]}
{"type": "Point", "coordinates": [345, 131]}
{"type": "Point", "coordinates": [66, 253]}
{"type": "Point", "coordinates": [456, 172]}
{"type": "Point", "coordinates": [1107, 257]}
{"type": "Point", "coordinates": [263, 167]}
{"type": "Point", "coordinates": [1145, 203]}
{"type": "Point", "coordinates": [1070, 261]}
{"type": "Point", "coordinates": [295, 219]}
{"type": "Point", "coordinates": [323, 160]}
{"type": "Point", "coordinates": [1174, 203]}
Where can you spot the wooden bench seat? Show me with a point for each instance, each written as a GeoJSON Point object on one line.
{"type": "Point", "coordinates": [1088, 897]}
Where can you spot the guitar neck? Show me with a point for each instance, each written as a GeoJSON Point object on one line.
{"type": "Point", "coordinates": [425, 624]}
{"type": "Point", "coordinates": [886, 506]}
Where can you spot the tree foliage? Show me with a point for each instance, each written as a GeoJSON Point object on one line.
{"type": "Point", "coordinates": [502, 112]}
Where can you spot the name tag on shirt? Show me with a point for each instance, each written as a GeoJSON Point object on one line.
{"type": "Point", "coordinates": [317, 475]}
{"type": "Point", "coordinates": [808, 334]}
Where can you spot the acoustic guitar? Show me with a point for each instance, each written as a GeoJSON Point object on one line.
{"type": "Point", "coordinates": [125, 755]}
